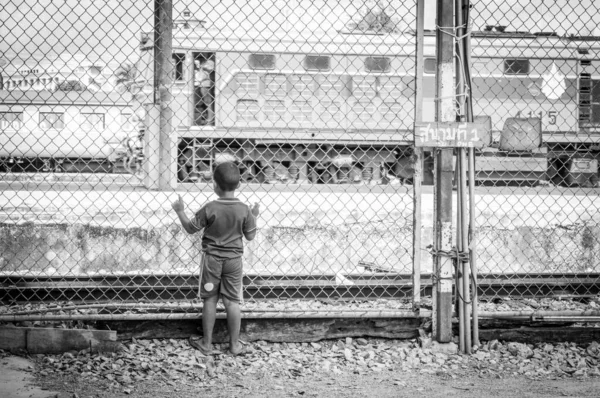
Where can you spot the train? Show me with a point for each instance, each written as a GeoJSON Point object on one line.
{"type": "Point", "coordinates": [67, 115]}
{"type": "Point", "coordinates": [341, 109]}
{"type": "Point", "coordinates": [323, 109]}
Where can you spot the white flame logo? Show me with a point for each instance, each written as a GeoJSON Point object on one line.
{"type": "Point", "coordinates": [554, 84]}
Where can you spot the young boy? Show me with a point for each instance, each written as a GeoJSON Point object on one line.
{"type": "Point", "coordinates": [225, 221]}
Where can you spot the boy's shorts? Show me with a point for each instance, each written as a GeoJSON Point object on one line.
{"type": "Point", "coordinates": [221, 276]}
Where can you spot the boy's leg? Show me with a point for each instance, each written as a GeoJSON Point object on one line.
{"type": "Point", "coordinates": [231, 289]}
{"type": "Point", "coordinates": [209, 314]}
{"type": "Point", "coordinates": [209, 285]}
{"type": "Point", "coordinates": [241, 293]}
{"type": "Point", "coordinates": [234, 323]}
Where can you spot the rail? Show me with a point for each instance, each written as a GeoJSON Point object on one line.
{"type": "Point", "coordinates": [182, 287]}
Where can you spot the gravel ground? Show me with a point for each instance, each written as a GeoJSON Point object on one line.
{"type": "Point", "coordinates": [333, 368]}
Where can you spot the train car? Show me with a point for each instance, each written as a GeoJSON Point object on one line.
{"type": "Point", "coordinates": [287, 116]}
{"type": "Point", "coordinates": [549, 81]}
{"type": "Point", "coordinates": [340, 109]}
{"type": "Point", "coordinates": [66, 116]}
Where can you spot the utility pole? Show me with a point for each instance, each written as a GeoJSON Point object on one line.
{"type": "Point", "coordinates": [160, 157]}
{"type": "Point", "coordinates": [445, 112]}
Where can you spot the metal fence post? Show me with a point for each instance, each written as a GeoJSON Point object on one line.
{"type": "Point", "coordinates": [445, 112]}
{"type": "Point", "coordinates": [418, 154]}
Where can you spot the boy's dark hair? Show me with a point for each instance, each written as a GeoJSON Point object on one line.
{"type": "Point", "coordinates": [227, 176]}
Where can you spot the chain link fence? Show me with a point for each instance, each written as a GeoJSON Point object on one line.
{"type": "Point", "coordinates": [101, 128]}
{"type": "Point", "coordinates": [535, 70]}
{"type": "Point", "coordinates": [109, 112]}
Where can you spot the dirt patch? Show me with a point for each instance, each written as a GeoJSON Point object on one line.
{"type": "Point", "coordinates": [17, 379]}
{"type": "Point", "coordinates": [383, 384]}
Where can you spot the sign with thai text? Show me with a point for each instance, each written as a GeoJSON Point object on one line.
{"type": "Point", "coordinates": [452, 135]}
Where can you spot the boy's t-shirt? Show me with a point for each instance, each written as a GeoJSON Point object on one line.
{"type": "Point", "coordinates": [225, 221]}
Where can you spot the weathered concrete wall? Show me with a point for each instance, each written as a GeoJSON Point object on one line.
{"type": "Point", "coordinates": [95, 232]}
{"type": "Point", "coordinates": [538, 233]}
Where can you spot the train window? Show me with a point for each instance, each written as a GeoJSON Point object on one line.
{"type": "Point", "coordinates": [378, 64]}
{"type": "Point", "coordinates": [247, 110]}
{"type": "Point", "coordinates": [364, 86]}
{"type": "Point", "coordinates": [52, 120]}
{"type": "Point", "coordinates": [11, 120]}
{"type": "Point", "coordinates": [26, 71]}
{"type": "Point", "coordinates": [516, 67]}
{"type": "Point", "coordinates": [302, 85]}
{"type": "Point", "coordinates": [331, 86]}
{"type": "Point", "coordinates": [302, 111]}
{"type": "Point", "coordinates": [71, 85]}
{"type": "Point", "coordinates": [91, 71]}
{"type": "Point", "coordinates": [332, 110]}
{"type": "Point", "coordinates": [22, 85]}
{"type": "Point", "coordinates": [89, 121]}
{"type": "Point", "coordinates": [179, 62]}
{"type": "Point", "coordinates": [390, 111]}
{"type": "Point", "coordinates": [276, 85]}
{"type": "Point", "coordinates": [390, 88]}
{"type": "Point", "coordinates": [363, 111]}
{"type": "Point", "coordinates": [317, 62]}
{"type": "Point", "coordinates": [274, 110]}
{"type": "Point", "coordinates": [261, 61]}
{"type": "Point", "coordinates": [247, 85]}
{"type": "Point", "coordinates": [429, 65]}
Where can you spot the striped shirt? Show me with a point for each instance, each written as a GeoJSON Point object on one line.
{"type": "Point", "coordinates": [225, 221]}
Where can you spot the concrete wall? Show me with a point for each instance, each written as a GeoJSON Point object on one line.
{"type": "Point", "coordinates": [111, 232]}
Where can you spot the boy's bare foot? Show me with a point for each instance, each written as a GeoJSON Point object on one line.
{"type": "Point", "coordinates": [198, 343]}
{"type": "Point", "coordinates": [236, 349]}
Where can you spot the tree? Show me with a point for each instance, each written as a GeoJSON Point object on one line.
{"type": "Point", "coordinates": [124, 77]}
{"type": "Point", "coordinates": [374, 17]}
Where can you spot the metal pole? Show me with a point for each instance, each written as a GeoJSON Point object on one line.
{"type": "Point", "coordinates": [537, 316]}
{"type": "Point", "coordinates": [163, 40]}
{"type": "Point", "coordinates": [220, 315]}
{"type": "Point", "coordinates": [445, 112]}
{"type": "Point", "coordinates": [459, 271]}
{"type": "Point", "coordinates": [460, 244]}
{"type": "Point", "coordinates": [462, 236]}
{"type": "Point", "coordinates": [472, 245]}
{"type": "Point", "coordinates": [418, 159]}
{"type": "Point", "coordinates": [465, 239]}
{"type": "Point", "coordinates": [472, 207]}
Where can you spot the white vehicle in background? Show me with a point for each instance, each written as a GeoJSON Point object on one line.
{"type": "Point", "coordinates": [67, 115]}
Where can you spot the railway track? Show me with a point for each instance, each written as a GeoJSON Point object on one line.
{"type": "Point", "coordinates": [184, 287]}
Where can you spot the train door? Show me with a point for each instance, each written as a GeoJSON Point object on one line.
{"type": "Point", "coordinates": [204, 89]}
{"type": "Point", "coordinates": [580, 167]}
{"type": "Point", "coordinates": [589, 95]}
{"type": "Point", "coordinates": [595, 103]}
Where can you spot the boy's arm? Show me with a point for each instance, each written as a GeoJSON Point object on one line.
{"type": "Point", "coordinates": [250, 225]}
{"type": "Point", "coordinates": [187, 225]}
{"type": "Point", "coordinates": [250, 235]}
